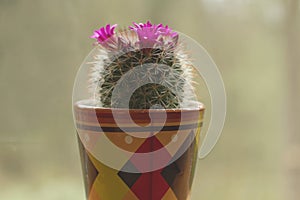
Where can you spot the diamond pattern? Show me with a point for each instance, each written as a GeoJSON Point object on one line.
{"type": "Point", "coordinates": [129, 178]}
{"type": "Point", "coordinates": [150, 185]}
{"type": "Point", "coordinates": [147, 161]}
{"type": "Point", "coordinates": [169, 195]}
{"type": "Point", "coordinates": [142, 187]}
{"type": "Point", "coordinates": [107, 182]}
{"type": "Point", "coordinates": [155, 185]}
{"type": "Point", "coordinates": [170, 172]}
{"type": "Point", "coordinates": [159, 185]}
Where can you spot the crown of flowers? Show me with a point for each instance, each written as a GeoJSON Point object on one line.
{"type": "Point", "coordinates": [147, 35]}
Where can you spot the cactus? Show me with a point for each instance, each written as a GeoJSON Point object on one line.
{"type": "Point", "coordinates": [146, 53]}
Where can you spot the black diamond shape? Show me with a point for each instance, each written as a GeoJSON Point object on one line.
{"type": "Point", "coordinates": [169, 173]}
{"type": "Point", "coordinates": [127, 177]}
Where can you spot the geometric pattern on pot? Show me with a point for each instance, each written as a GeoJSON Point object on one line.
{"type": "Point", "coordinates": [107, 142]}
{"type": "Point", "coordinates": [155, 185]}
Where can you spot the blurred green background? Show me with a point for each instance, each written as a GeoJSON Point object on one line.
{"type": "Point", "coordinates": [255, 43]}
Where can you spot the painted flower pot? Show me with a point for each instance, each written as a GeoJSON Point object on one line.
{"type": "Point", "coordinates": [137, 116]}
{"type": "Point", "coordinates": [152, 161]}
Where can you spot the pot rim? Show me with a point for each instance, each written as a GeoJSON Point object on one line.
{"type": "Point", "coordinates": [90, 104]}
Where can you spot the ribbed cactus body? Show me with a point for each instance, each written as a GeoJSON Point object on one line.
{"type": "Point", "coordinates": [164, 87]}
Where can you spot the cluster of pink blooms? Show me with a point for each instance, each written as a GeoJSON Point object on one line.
{"type": "Point", "coordinates": [148, 33]}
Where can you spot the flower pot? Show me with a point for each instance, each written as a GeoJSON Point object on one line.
{"type": "Point", "coordinates": [146, 155]}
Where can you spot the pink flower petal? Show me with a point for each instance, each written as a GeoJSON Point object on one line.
{"type": "Point", "coordinates": [104, 33]}
{"type": "Point", "coordinates": [107, 30]}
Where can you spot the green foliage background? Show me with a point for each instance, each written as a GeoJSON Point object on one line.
{"type": "Point", "coordinates": [42, 44]}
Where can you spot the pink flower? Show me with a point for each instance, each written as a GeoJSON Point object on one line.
{"type": "Point", "coordinates": [149, 33]}
{"type": "Point", "coordinates": [104, 33]}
